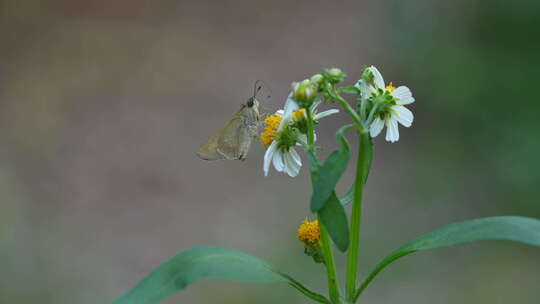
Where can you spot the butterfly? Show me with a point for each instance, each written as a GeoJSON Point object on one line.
{"type": "Point", "coordinates": [234, 140]}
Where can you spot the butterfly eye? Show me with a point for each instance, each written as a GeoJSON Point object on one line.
{"type": "Point", "coordinates": [250, 102]}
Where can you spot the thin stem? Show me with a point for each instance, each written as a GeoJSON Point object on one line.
{"type": "Point", "coordinates": [372, 113]}
{"type": "Point", "coordinates": [333, 284]}
{"type": "Point", "coordinates": [355, 117]}
{"type": "Point", "coordinates": [362, 169]}
{"type": "Point", "coordinates": [326, 245]}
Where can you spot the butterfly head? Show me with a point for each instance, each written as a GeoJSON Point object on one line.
{"type": "Point", "coordinates": [252, 102]}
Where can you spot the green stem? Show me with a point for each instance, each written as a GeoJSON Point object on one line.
{"type": "Point", "coordinates": [333, 284]}
{"type": "Point", "coordinates": [355, 117]}
{"type": "Point", "coordinates": [362, 169]}
{"type": "Point", "coordinates": [326, 245]}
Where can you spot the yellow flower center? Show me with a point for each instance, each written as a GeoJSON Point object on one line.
{"type": "Point", "coordinates": [269, 134]}
{"type": "Point", "coordinates": [390, 88]}
{"type": "Point", "coordinates": [309, 233]}
{"type": "Point", "coordinates": [299, 114]}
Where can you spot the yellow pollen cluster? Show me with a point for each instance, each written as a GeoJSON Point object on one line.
{"type": "Point", "coordinates": [299, 114]}
{"type": "Point", "coordinates": [390, 88]}
{"type": "Point", "coordinates": [269, 134]}
{"type": "Point", "coordinates": [308, 232]}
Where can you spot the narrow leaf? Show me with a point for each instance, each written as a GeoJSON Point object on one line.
{"type": "Point", "coordinates": [334, 218]}
{"type": "Point", "coordinates": [331, 171]}
{"type": "Point", "coordinates": [202, 263]}
{"type": "Point", "coordinates": [510, 228]}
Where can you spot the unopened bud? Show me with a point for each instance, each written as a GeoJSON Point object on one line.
{"type": "Point", "coordinates": [335, 75]}
{"type": "Point", "coordinates": [304, 92]}
{"type": "Point", "coordinates": [367, 75]}
{"type": "Point", "coordinates": [317, 79]}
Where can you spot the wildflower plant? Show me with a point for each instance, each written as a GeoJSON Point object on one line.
{"type": "Point", "coordinates": [376, 106]}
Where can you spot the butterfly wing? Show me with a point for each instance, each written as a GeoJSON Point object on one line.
{"type": "Point", "coordinates": [224, 144]}
{"type": "Point", "coordinates": [234, 140]}
{"type": "Point", "coordinates": [208, 151]}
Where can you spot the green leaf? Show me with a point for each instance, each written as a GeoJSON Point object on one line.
{"type": "Point", "coordinates": [202, 263]}
{"type": "Point", "coordinates": [511, 228]}
{"type": "Point", "coordinates": [348, 197]}
{"type": "Point", "coordinates": [349, 90]}
{"type": "Point", "coordinates": [334, 218]}
{"type": "Point", "coordinates": [331, 171]}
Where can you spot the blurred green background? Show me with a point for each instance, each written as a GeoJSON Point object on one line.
{"type": "Point", "coordinates": [103, 104]}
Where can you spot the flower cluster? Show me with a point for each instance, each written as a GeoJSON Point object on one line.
{"type": "Point", "coordinates": [287, 128]}
{"type": "Point", "coordinates": [387, 103]}
{"type": "Point", "coordinates": [308, 232]}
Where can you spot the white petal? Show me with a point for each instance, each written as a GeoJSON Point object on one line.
{"type": "Point", "coordinates": [278, 161]}
{"type": "Point", "coordinates": [370, 89]}
{"type": "Point", "coordinates": [377, 77]}
{"type": "Point", "coordinates": [403, 95]}
{"type": "Point", "coordinates": [314, 105]}
{"type": "Point", "coordinates": [392, 132]}
{"type": "Point", "coordinates": [295, 157]}
{"type": "Point", "coordinates": [403, 115]}
{"type": "Point", "coordinates": [268, 157]}
{"type": "Point", "coordinates": [325, 113]}
{"type": "Point", "coordinates": [376, 127]}
{"type": "Point", "coordinates": [280, 112]}
{"type": "Point", "coordinates": [290, 107]}
{"type": "Point", "coordinates": [288, 164]}
{"type": "Point", "coordinates": [291, 167]}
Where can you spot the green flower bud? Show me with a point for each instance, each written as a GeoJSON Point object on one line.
{"type": "Point", "coordinates": [335, 72]}
{"type": "Point", "coordinates": [304, 93]}
{"type": "Point", "coordinates": [367, 75]}
{"type": "Point", "coordinates": [317, 79]}
{"type": "Point", "coordinates": [335, 75]}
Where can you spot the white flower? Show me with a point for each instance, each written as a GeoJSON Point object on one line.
{"type": "Point", "coordinates": [281, 152]}
{"type": "Point", "coordinates": [284, 160]}
{"type": "Point", "coordinates": [396, 112]}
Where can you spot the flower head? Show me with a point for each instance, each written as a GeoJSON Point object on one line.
{"type": "Point", "coordinates": [309, 232]}
{"type": "Point", "coordinates": [270, 131]}
{"type": "Point", "coordinates": [390, 105]}
{"type": "Point", "coordinates": [279, 137]}
{"type": "Point", "coordinates": [284, 130]}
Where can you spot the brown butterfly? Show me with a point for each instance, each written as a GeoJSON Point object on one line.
{"type": "Point", "coordinates": [234, 140]}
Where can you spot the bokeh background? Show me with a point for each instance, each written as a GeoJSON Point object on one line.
{"type": "Point", "coordinates": [103, 104]}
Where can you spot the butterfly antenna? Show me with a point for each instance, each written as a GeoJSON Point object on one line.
{"type": "Point", "coordinates": [257, 87]}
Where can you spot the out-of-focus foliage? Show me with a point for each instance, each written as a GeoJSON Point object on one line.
{"type": "Point", "coordinates": [476, 65]}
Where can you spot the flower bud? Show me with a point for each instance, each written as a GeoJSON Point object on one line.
{"type": "Point", "coordinates": [367, 75]}
{"type": "Point", "coordinates": [317, 79]}
{"type": "Point", "coordinates": [304, 92]}
{"type": "Point", "coordinates": [335, 72]}
{"type": "Point", "coordinates": [335, 75]}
